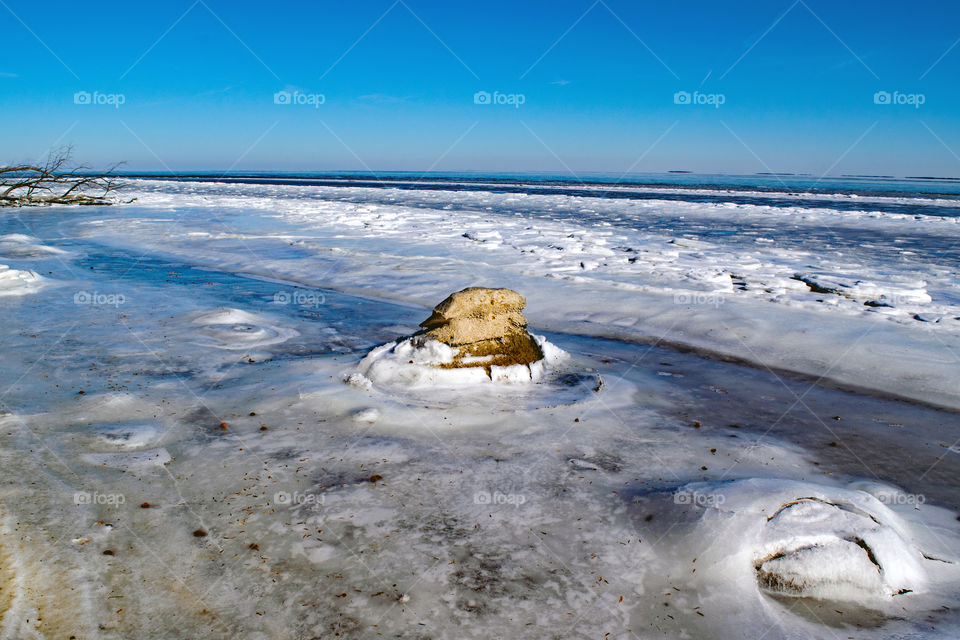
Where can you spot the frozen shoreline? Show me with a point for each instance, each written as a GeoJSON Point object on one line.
{"type": "Point", "coordinates": [674, 278]}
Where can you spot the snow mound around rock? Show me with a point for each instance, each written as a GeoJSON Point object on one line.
{"type": "Point", "coordinates": [412, 363]}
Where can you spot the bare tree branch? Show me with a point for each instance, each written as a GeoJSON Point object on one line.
{"type": "Point", "coordinates": [57, 182]}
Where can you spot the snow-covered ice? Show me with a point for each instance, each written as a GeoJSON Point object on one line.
{"type": "Point", "coordinates": [783, 286]}
{"type": "Point", "coordinates": [742, 426]}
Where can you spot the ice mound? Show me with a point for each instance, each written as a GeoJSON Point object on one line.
{"type": "Point", "coordinates": [227, 328]}
{"type": "Point", "coordinates": [834, 550]}
{"type": "Point", "coordinates": [812, 541]}
{"type": "Point", "coordinates": [130, 436]}
{"type": "Point", "coordinates": [20, 246]}
{"type": "Point", "coordinates": [892, 291]}
{"type": "Point", "coordinates": [475, 336]}
{"type": "Point", "coordinates": [14, 282]}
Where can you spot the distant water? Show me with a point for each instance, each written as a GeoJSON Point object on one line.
{"type": "Point", "coordinates": [911, 196]}
{"type": "Point", "coordinates": [862, 185]}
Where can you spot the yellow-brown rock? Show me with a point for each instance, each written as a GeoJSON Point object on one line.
{"type": "Point", "coordinates": [485, 325]}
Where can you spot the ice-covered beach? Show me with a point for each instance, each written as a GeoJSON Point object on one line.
{"type": "Point", "coordinates": [753, 432]}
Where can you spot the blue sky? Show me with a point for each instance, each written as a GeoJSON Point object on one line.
{"type": "Point", "coordinates": [772, 85]}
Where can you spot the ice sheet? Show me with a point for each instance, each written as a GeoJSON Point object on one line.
{"type": "Point", "coordinates": [867, 298]}
{"type": "Point", "coordinates": [189, 451]}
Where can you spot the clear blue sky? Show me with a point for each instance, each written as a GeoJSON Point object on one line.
{"type": "Point", "coordinates": [597, 79]}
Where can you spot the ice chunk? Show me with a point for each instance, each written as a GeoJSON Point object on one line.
{"type": "Point", "coordinates": [369, 415]}
{"type": "Point", "coordinates": [133, 436]}
{"type": "Point", "coordinates": [835, 550]}
{"type": "Point", "coordinates": [14, 282]}
{"type": "Point", "coordinates": [801, 539]}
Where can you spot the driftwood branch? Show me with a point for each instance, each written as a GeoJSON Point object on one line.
{"type": "Point", "coordinates": [57, 181]}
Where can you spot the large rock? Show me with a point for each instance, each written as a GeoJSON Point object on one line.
{"type": "Point", "coordinates": [486, 326]}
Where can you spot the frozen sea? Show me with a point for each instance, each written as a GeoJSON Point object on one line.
{"type": "Point", "coordinates": [755, 431]}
